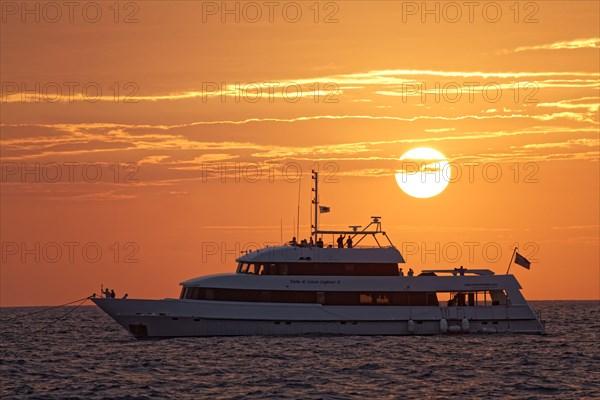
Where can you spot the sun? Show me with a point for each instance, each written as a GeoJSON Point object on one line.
{"type": "Point", "coordinates": [424, 173]}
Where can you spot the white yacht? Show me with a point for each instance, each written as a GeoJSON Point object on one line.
{"type": "Point", "coordinates": [298, 289]}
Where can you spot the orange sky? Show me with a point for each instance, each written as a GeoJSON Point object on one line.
{"type": "Point", "coordinates": [171, 93]}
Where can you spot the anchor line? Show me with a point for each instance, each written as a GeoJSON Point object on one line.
{"type": "Point", "coordinates": [62, 317]}
{"type": "Point", "coordinates": [47, 309]}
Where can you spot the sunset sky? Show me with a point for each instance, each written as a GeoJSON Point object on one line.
{"type": "Point", "coordinates": [169, 136]}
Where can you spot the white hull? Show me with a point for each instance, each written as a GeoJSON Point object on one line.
{"type": "Point", "coordinates": [181, 318]}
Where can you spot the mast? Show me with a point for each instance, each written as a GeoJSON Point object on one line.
{"type": "Point", "coordinates": [315, 201]}
{"type": "Point", "coordinates": [511, 260]}
{"type": "Point", "coordinates": [298, 226]}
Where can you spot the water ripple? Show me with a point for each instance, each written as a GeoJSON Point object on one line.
{"type": "Point", "coordinates": [88, 356]}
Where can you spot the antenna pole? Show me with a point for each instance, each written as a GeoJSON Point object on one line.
{"type": "Point", "coordinates": [316, 203]}
{"type": "Point", "coordinates": [511, 260]}
{"type": "Point", "coordinates": [298, 219]}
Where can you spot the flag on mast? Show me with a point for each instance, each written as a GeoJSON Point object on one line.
{"type": "Point", "coordinates": [522, 261]}
{"type": "Point", "coordinates": [323, 209]}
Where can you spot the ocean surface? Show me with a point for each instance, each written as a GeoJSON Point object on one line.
{"type": "Point", "coordinates": [87, 355]}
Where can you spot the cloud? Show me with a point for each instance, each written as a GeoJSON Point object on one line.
{"type": "Point", "coordinates": [209, 157]}
{"type": "Point", "coordinates": [576, 227]}
{"type": "Point", "coordinates": [455, 91]}
{"type": "Point", "coordinates": [200, 162]}
{"type": "Point", "coordinates": [440, 130]}
{"type": "Point", "coordinates": [99, 196]}
{"type": "Point", "coordinates": [179, 193]}
{"type": "Point", "coordinates": [384, 82]}
{"type": "Point", "coordinates": [567, 143]}
{"type": "Point", "coordinates": [88, 138]}
{"type": "Point", "coordinates": [152, 160]}
{"type": "Point", "coordinates": [525, 156]}
{"type": "Point", "coordinates": [591, 43]}
{"type": "Point", "coordinates": [591, 104]}
{"type": "Point", "coordinates": [368, 172]}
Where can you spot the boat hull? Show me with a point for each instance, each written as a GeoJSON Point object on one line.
{"type": "Point", "coordinates": [189, 318]}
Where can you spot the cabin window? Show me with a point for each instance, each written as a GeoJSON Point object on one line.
{"type": "Point", "coordinates": [321, 297]}
{"type": "Point", "coordinates": [366, 298]}
{"type": "Point", "coordinates": [256, 268]}
{"type": "Point", "coordinates": [266, 269]}
{"type": "Point", "coordinates": [499, 297]}
{"type": "Point", "coordinates": [432, 299]}
{"type": "Point", "coordinates": [243, 268]}
{"type": "Point", "coordinates": [477, 298]}
{"type": "Point", "coordinates": [341, 298]}
{"type": "Point", "coordinates": [382, 299]}
{"type": "Point", "coordinates": [314, 268]}
{"type": "Point", "coordinates": [299, 296]}
{"type": "Point", "coordinates": [194, 293]}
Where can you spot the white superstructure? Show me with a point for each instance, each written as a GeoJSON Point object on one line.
{"type": "Point", "coordinates": [321, 289]}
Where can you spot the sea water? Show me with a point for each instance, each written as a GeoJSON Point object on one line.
{"type": "Point", "coordinates": [87, 355]}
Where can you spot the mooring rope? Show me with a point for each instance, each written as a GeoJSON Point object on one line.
{"type": "Point", "coordinates": [83, 300]}
{"type": "Point", "coordinates": [62, 317]}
